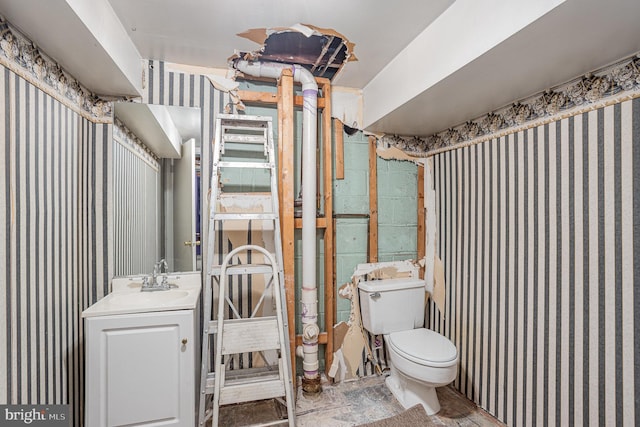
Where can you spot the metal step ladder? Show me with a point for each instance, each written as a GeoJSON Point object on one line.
{"type": "Point", "coordinates": [244, 143]}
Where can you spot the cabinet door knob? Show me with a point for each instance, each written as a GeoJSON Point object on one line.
{"type": "Point", "coordinates": [184, 341]}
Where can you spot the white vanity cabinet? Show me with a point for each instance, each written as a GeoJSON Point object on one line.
{"type": "Point", "coordinates": [141, 369]}
{"type": "Point", "coordinates": [142, 354]}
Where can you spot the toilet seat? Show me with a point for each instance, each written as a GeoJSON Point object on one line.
{"type": "Point", "coordinates": [424, 347]}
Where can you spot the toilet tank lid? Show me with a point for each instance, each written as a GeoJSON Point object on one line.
{"type": "Point", "coordinates": [390, 284]}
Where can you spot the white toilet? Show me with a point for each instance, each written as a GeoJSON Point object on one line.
{"type": "Point", "coordinates": [421, 359]}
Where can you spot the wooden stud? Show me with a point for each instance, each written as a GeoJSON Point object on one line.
{"type": "Point", "coordinates": [322, 338]}
{"type": "Point", "coordinates": [373, 201]}
{"type": "Point", "coordinates": [320, 223]}
{"type": "Point", "coordinates": [286, 101]}
{"type": "Point", "coordinates": [421, 234]}
{"type": "Point", "coordinates": [338, 132]}
{"type": "Point", "coordinates": [270, 98]}
{"type": "Point", "coordinates": [280, 155]}
{"type": "Point", "coordinates": [259, 97]}
{"type": "Point", "coordinates": [329, 284]}
{"type": "Point", "coordinates": [285, 151]}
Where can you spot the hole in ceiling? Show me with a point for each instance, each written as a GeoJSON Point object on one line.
{"type": "Point", "coordinates": [320, 50]}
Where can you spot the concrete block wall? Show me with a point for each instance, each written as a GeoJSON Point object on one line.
{"type": "Point", "coordinates": [351, 196]}
{"type": "Point", "coordinates": [397, 212]}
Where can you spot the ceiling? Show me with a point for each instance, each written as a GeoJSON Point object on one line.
{"type": "Point", "coordinates": [204, 32]}
{"type": "Point", "coordinates": [423, 66]}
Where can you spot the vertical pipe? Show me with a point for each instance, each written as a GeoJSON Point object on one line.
{"type": "Point", "coordinates": [309, 297]}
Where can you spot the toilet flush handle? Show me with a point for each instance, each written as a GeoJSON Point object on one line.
{"type": "Point", "coordinates": [375, 295]}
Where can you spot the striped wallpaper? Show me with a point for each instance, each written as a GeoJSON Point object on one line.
{"type": "Point", "coordinates": [54, 204]}
{"type": "Point", "coordinates": [168, 85]}
{"type": "Point", "coordinates": [538, 232]}
{"type": "Point", "coordinates": [137, 207]}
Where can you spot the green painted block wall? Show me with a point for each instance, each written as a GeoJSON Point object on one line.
{"type": "Point", "coordinates": [351, 196]}
{"type": "Point", "coordinates": [397, 212]}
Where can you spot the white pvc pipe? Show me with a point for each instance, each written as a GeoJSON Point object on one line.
{"type": "Point", "coordinates": [309, 296]}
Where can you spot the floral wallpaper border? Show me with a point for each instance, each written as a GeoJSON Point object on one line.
{"type": "Point", "coordinates": [125, 136]}
{"type": "Point", "coordinates": [23, 57]}
{"type": "Point", "coordinates": [609, 85]}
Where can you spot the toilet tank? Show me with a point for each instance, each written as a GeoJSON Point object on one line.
{"type": "Point", "coordinates": [392, 305]}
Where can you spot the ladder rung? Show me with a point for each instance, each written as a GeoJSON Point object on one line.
{"type": "Point", "coordinates": [246, 165]}
{"type": "Point", "coordinates": [238, 123]}
{"type": "Point", "coordinates": [244, 139]}
{"type": "Point", "coordinates": [246, 375]}
{"type": "Point", "coordinates": [231, 378]}
{"type": "Point", "coordinates": [249, 125]}
{"type": "Point", "coordinates": [243, 269]}
{"type": "Point", "coordinates": [256, 196]}
{"type": "Point", "coordinates": [271, 423]}
{"type": "Point", "coordinates": [243, 215]}
{"type": "Point", "coordinates": [249, 335]}
{"type": "Point", "coordinates": [255, 390]}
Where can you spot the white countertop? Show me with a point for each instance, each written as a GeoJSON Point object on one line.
{"type": "Point", "coordinates": [126, 297]}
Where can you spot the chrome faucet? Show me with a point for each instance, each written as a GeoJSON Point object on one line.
{"type": "Point", "coordinates": [157, 271]}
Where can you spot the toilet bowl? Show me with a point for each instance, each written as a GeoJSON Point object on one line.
{"type": "Point", "coordinates": [420, 361]}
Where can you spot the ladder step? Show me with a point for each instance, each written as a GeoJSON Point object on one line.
{"type": "Point", "coordinates": [246, 125]}
{"type": "Point", "coordinates": [244, 138]}
{"type": "Point", "coordinates": [246, 202]}
{"type": "Point", "coordinates": [245, 375]}
{"type": "Point", "coordinates": [246, 165]}
{"type": "Point", "coordinates": [271, 423]}
{"type": "Point", "coordinates": [249, 335]}
{"type": "Point", "coordinates": [254, 390]}
{"type": "Point", "coordinates": [243, 269]}
{"type": "Point", "coordinates": [243, 215]}
{"type": "Point", "coordinates": [238, 120]}
{"type": "Point", "coordinates": [262, 196]}
{"type": "Point", "coordinates": [250, 126]}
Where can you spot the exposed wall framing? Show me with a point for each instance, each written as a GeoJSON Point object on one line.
{"type": "Point", "coordinates": [373, 201]}
{"type": "Point", "coordinates": [421, 227]}
{"type": "Point", "coordinates": [285, 101]}
{"type": "Point", "coordinates": [338, 136]}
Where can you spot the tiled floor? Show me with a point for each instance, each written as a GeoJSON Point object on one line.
{"type": "Point", "coordinates": [352, 404]}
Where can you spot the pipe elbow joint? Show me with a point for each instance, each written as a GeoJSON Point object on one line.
{"type": "Point", "coordinates": [306, 78]}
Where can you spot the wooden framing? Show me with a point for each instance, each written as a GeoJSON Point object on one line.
{"type": "Point", "coordinates": [421, 235]}
{"type": "Point", "coordinates": [286, 100]}
{"type": "Point", "coordinates": [272, 98]}
{"type": "Point", "coordinates": [373, 201]}
{"type": "Point", "coordinates": [286, 175]}
{"type": "Point", "coordinates": [329, 285]}
{"type": "Point", "coordinates": [338, 136]}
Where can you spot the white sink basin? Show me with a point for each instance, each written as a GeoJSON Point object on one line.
{"type": "Point", "coordinates": [126, 296]}
{"type": "Point", "coordinates": [140, 298]}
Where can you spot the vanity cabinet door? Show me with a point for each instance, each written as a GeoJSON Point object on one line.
{"type": "Point", "coordinates": [140, 369]}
